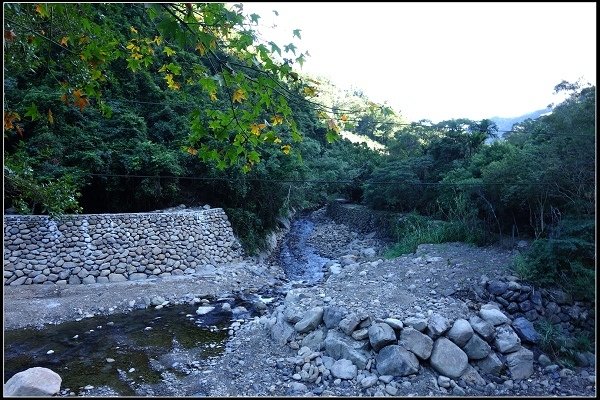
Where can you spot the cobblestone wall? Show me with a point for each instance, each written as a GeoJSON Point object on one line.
{"type": "Point", "coordinates": [100, 248]}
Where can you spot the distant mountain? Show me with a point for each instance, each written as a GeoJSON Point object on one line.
{"type": "Point", "coordinates": [506, 124]}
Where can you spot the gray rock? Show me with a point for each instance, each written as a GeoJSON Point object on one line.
{"type": "Point", "coordinates": [437, 325]}
{"type": "Point", "coordinates": [114, 278]}
{"type": "Point", "coordinates": [369, 252]}
{"type": "Point", "coordinates": [544, 361]}
{"type": "Point", "coordinates": [396, 324]}
{"type": "Point", "coordinates": [520, 363]}
{"type": "Point", "coordinates": [493, 316]}
{"type": "Point", "coordinates": [490, 364]}
{"type": "Point", "coordinates": [18, 281]}
{"type": "Point", "coordinates": [448, 359]}
{"type": "Point", "coordinates": [310, 320]}
{"type": "Point", "coordinates": [89, 279]}
{"type": "Point", "coordinates": [482, 327]}
{"type": "Point", "coordinates": [419, 324]}
{"type": "Point", "coordinates": [368, 381]}
{"type": "Point", "coordinates": [349, 323]}
{"type": "Point", "coordinates": [74, 280]}
{"type": "Point", "coordinates": [476, 348]}
{"type": "Point", "coordinates": [472, 378]}
{"type": "Point", "coordinates": [381, 335]}
{"type": "Point", "coordinates": [461, 332]}
{"type": "Point", "coordinates": [506, 340]}
{"type": "Point", "coordinates": [202, 310]}
{"type": "Point", "coordinates": [397, 361]}
{"type": "Point", "coordinates": [560, 296]}
{"type": "Point", "coordinates": [36, 381]}
{"type": "Point", "coordinates": [137, 276]}
{"type": "Point", "coordinates": [332, 316]}
{"type": "Point", "coordinates": [526, 331]}
{"type": "Point", "coordinates": [343, 369]}
{"type": "Point", "coordinates": [497, 288]}
{"type": "Point", "coordinates": [338, 346]}
{"type": "Point", "coordinates": [416, 342]}
{"type": "Point", "coordinates": [360, 334]}
{"type": "Point", "coordinates": [298, 387]}
{"type": "Point", "coordinates": [40, 279]}
{"type": "Point", "coordinates": [315, 340]}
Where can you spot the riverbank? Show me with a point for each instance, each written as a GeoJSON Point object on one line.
{"type": "Point", "coordinates": [438, 279]}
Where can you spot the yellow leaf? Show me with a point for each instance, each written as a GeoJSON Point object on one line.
{"type": "Point", "coordinates": [276, 120]}
{"type": "Point", "coordinates": [9, 117]}
{"type": "Point", "coordinates": [80, 100]}
{"type": "Point", "coordinates": [137, 56]}
{"type": "Point", "coordinates": [213, 44]}
{"type": "Point", "coordinates": [200, 47]}
{"type": "Point", "coordinates": [309, 91]}
{"type": "Point", "coordinates": [50, 117]}
{"type": "Point", "coordinates": [131, 46]}
{"type": "Point", "coordinates": [239, 95]}
{"type": "Point", "coordinates": [84, 39]}
{"type": "Point", "coordinates": [192, 151]}
{"type": "Point", "coordinates": [163, 68]}
{"type": "Point", "coordinates": [344, 117]}
{"type": "Point", "coordinates": [213, 96]}
{"type": "Point", "coordinates": [157, 40]}
{"type": "Point", "coordinates": [256, 128]}
{"type": "Point", "coordinates": [133, 30]}
{"type": "Point", "coordinates": [171, 83]}
{"type": "Point", "coordinates": [64, 41]}
{"type": "Point", "coordinates": [277, 140]}
{"type": "Point", "coordinates": [64, 99]}
{"type": "Point", "coordinates": [286, 148]}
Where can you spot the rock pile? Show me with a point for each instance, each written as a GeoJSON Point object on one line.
{"type": "Point", "coordinates": [336, 345]}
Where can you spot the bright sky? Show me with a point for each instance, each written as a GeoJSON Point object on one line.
{"type": "Point", "coordinates": [443, 60]}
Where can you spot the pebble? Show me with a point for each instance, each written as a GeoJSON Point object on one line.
{"type": "Point", "coordinates": [131, 370]}
{"type": "Point", "coordinates": [50, 352]}
{"type": "Point", "coordinates": [110, 360]}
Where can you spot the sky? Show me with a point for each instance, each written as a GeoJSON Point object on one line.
{"type": "Point", "coordinates": [442, 60]}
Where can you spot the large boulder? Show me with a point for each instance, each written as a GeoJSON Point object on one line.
{"type": "Point", "coordinates": [461, 332]}
{"type": "Point", "coordinates": [396, 361]}
{"type": "Point", "coordinates": [381, 335]}
{"type": "Point", "coordinates": [507, 340]}
{"type": "Point", "coordinates": [482, 327]}
{"type": "Point", "coordinates": [36, 381]}
{"type": "Point", "coordinates": [493, 315]}
{"type": "Point", "coordinates": [476, 348]}
{"type": "Point", "coordinates": [437, 325]}
{"type": "Point", "coordinates": [332, 316]}
{"type": "Point", "coordinates": [448, 359]}
{"type": "Point", "coordinates": [281, 331]}
{"type": "Point", "coordinates": [525, 330]}
{"type": "Point", "coordinates": [343, 369]}
{"type": "Point", "coordinates": [520, 363]}
{"type": "Point", "coordinates": [416, 342]}
{"type": "Point", "coordinates": [310, 320]}
{"type": "Point", "coordinates": [338, 346]}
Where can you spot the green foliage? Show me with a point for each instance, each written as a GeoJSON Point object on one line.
{"type": "Point", "coordinates": [562, 346]}
{"type": "Point", "coordinates": [413, 229]}
{"type": "Point", "coordinates": [566, 258]}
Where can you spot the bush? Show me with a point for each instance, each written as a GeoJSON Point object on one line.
{"type": "Point", "coordinates": [414, 229]}
{"type": "Point", "coordinates": [564, 259]}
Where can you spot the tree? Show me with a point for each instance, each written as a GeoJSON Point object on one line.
{"type": "Point", "coordinates": [73, 48]}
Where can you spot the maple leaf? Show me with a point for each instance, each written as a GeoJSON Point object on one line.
{"type": "Point", "coordinates": [213, 96]}
{"type": "Point", "coordinates": [256, 128]}
{"type": "Point", "coordinates": [42, 10]}
{"type": "Point", "coordinates": [50, 117]}
{"type": "Point", "coordinates": [64, 41]}
{"type": "Point", "coordinates": [9, 35]}
{"type": "Point", "coordinates": [169, 51]}
{"type": "Point", "coordinates": [239, 95]}
{"type": "Point", "coordinates": [276, 120]}
{"type": "Point", "coordinates": [9, 117]}
{"type": "Point", "coordinates": [286, 148]}
{"type": "Point", "coordinates": [344, 117]}
{"type": "Point", "coordinates": [332, 125]}
{"type": "Point", "coordinates": [80, 100]}
{"type": "Point", "coordinates": [64, 99]}
{"type": "Point", "coordinates": [133, 30]}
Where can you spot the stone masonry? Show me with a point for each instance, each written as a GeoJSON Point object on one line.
{"type": "Point", "coordinates": [101, 248]}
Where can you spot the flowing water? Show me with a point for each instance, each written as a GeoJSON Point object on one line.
{"type": "Point", "coordinates": [115, 351]}
{"type": "Point", "coordinates": [299, 260]}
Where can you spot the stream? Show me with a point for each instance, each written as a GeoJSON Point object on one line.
{"type": "Point", "coordinates": [128, 354]}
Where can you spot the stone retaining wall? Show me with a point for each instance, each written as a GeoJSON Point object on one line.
{"type": "Point", "coordinates": [363, 219]}
{"type": "Point", "coordinates": [100, 248]}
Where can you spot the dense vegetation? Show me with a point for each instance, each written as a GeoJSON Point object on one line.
{"type": "Point", "coordinates": [121, 107]}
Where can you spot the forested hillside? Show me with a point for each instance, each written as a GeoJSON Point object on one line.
{"type": "Point", "coordinates": [133, 107]}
